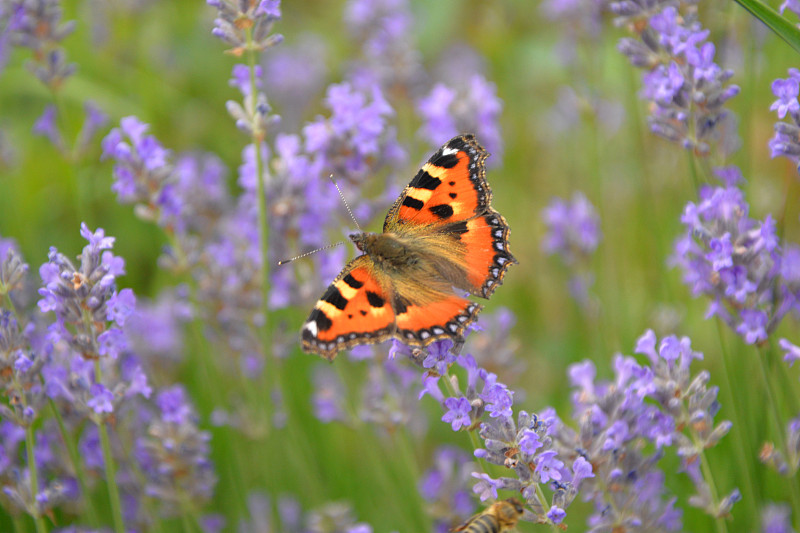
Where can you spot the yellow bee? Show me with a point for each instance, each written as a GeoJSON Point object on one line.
{"type": "Point", "coordinates": [497, 518]}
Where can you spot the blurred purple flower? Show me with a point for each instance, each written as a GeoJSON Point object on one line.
{"type": "Point", "coordinates": [471, 107]}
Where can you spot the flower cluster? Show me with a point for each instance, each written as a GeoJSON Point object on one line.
{"type": "Point", "coordinates": [737, 261]}
{"type": "Point", "coordinates": [356, 141]}
{"type": "Point", "coordinates": [37, 25]}
{"type": "Point", "coordinates": [246, 25]}
{"type": "Point", "coordinates": [293, 75]}
{"type": "Point", "coordinates": [687, 89]}
{"type": "Point", "coordinates": [444, 487]}
{"type": "Point", "coordinates": [660, 404]}
{"type": "Point", "coordinates": [786, 461]}
{"type": "Point", "coordinates": [786, 142]}
{"type": "Point", "coordinates": [573, 233]}
{"type": "Point", "coordinates": [174, 455]}
{"type": "Point", "coordinates": [383, 29]}
{"type": "Point", "coordinates": [520, 445]}
{"type": "Point", "coordinates": [81, 365]}
{"type": "Point", "coordinates": [386, 400]}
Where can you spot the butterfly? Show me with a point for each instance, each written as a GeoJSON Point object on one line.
{"type": "Point", "coordinates": [440, 236]}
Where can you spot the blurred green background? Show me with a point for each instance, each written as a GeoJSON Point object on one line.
{"type": "Point", "coordinates": [158, 61]}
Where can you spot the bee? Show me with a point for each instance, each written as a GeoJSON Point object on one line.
{"type": "Point", "coordinates": [499, 517]}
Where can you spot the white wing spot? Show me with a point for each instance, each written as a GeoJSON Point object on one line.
{"type": "Point", "coordinates": [449, 151]}
{"type": "Point", "coordinates": [311, 326]}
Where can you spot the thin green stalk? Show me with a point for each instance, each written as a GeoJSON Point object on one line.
{"type": "Point", "coordinates": [776, 415]}
{"type": "Point", "coordinates": [411, 471]}
{"type": "Point", "coordinates": [263, 229]}
{"type": "Point", "coordinates": [74, 457]}
{"type": "Point", "coordinates": [108, 459]}
{"type": "Point", "coordinates": [693, 170]}
{"type": "Point", "coordinates": [741, 444]}
{"type": "Point", "coordinates": [188, 525]}
{"type": "Point", "coordinates": [30, 444]}
{"type": "Point", "coordinates": [473, 438]}
{"type": "Point", "coordinates": [719, 522]}
{"type": "Point", "coordinates": [543, 499]}
{"type": "Point", "coordinates": [19, 524]}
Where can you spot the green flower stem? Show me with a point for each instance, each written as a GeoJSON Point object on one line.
{"type": "Point", "coordinates": [108, 459]}
{"type": "Point", "coordinates": [473, 437]}
{"type": "Point", "coordinates": [74, 457]}
{"type": "Point", "coordinates": [776, 415]}
{"type": "Point", "coordinates": [411, 471]}
{"type": "Point", "coordinates": [258, 138]}
{"type": "Point", "coordinates": [30, 447]}
{"type": "Point", "coordinates": [741, 442]}
{"type": "Point", "coordinates": [30, 444]}
{"type": "Point", "coordinates": [543, 499]}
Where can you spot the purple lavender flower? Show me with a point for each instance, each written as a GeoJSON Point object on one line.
{"type": "Point", "coordinates": [786, 142]}
{"type": "Point", "coordinates": [573, 233]}
{"type": "Point", "coordinates": [294, 74]}
{"type": "Point", "coordinates": [548, 466]}
{"type": "Point", "coordinates": [556, 514]}
{"type": "Point", "coordinates": [12, 268]}
{"type": "Point", "coordinates": [792, 352]}
{"type": "Point", "coordinates": [471, 107]}
{"type": "Point", "coordinates": [573, 228]}
{"type": "Point", "coordinates": [446, 487]}
{"type": "Point", "coordinates": [234, 17]}
{"type": "Point", "coordinates": [141, 167]}
{"type": "Point", "coordinates": [486, 487]}
{"type": "Point", "coordinates": [38, 26]}
{"type": "Point", "coordinates": [776, 518]}
{"type": "Point", "coordinates": [383, 29]}
{"type": "Point", "coordinates": [46, 126]}
{"type": "Point", "coordinates": [389, 397]}
{"type": "Point", "coordinates": [458, 415]}
{"type": "Point", "coordinates": [173, 453]}
{"type": "Point", "coordinates": [94, 121]}
{"type": "Point", "coordinates": [736, 262]}
{"type": "Point", "coordinates": [644, 403]}
{"type": "Point", "coordinates": [328, 397]}
{"type": "Point", "coordinates": [687, 88]}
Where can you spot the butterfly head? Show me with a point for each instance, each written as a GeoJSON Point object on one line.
{"type": "Point", "coordinates": [361, 240]}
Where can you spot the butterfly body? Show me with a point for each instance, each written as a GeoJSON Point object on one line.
{"type": "Point", "coordinates": [440, 234]}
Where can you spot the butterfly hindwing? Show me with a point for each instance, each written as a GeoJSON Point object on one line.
{"type": "Point", "coordinates": [355, 309]}
{"type": "Point", "coordinates": [449, 188]}
{"type": "Point", "coordinates": [487, 257]}
{"type": "Point", "coordinates": [447, 317]}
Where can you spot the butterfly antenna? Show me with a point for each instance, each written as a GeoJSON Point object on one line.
{"type": "Point", "coordinates": [345, 201]}
{"type": "Point", "coordinates": [283, 262]}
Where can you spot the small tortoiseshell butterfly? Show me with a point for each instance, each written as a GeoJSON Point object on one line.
{"type": "Point", "coordinates": [441, 234]}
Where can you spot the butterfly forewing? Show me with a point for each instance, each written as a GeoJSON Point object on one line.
{"type": "Point", "coordinates": [450, 187]}
{"type": "Point", "coordinates": [355, 309]}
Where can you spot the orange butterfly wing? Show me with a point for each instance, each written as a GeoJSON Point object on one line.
{"type": "Point", "coordinates": [354, 310]}
{"type": "Point", "coordinates": [450, 187]}
{"type": "Point", "coordinates": [450, 194]}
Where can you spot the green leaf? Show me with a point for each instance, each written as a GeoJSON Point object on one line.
{"type": "Point", "coordinates": [774, 21]}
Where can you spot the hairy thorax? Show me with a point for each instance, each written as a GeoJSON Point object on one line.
{"type": "Point", "coordinates": [390, 252]}
{"type": "Point", "coordinates": [420, 269]}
